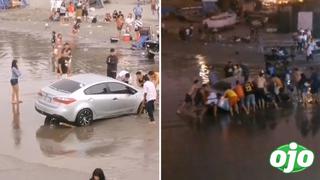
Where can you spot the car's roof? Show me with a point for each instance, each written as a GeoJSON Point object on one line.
{"type": "Point", "coordinates": [91, 78]}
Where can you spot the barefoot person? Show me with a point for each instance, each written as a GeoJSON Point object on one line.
{"type": "Point", "coordinates": [14, 82]}
{"type": "Point", "coordinates": [189, 98]}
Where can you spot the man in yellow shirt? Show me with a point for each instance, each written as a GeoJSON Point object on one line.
{"type": "Point", "coordinates": [233, 100]}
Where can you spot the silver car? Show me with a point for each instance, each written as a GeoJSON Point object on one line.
{"type": "Point", "coordinates": [87, 97]}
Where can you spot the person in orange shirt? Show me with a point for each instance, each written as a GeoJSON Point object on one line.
{"type": "Point", "coordinates": [238, 89]}
{"type": "Point", "coordinates": [233, 100]}
{"type": "Point", "coordinates": [71, 10]}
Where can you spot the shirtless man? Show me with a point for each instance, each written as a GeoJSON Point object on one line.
{"type": "Point", "coordinates": [189, 98]}
{"type": "Point", "coordinates": [154, 77]}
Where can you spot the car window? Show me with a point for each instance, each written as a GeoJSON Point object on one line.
{"type": "Point", "coordinates": [96, 89]}
{"type": "Point", "coordinates": [117, 88]}
{"type": "Point", "coordinates": [66, 85]}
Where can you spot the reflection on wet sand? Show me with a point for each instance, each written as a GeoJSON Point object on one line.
{"type": "Point", "coordinates": [203, 68]}
{"type": "Point", "coordinates": [65, 140]}
{"type": "Point", "coordinates": [308, 121]}
{"type": "Point", "coordinates": [16, 130]}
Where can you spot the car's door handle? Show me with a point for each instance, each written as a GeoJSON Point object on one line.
{"type": "Point", "coordinates": [115, 99]}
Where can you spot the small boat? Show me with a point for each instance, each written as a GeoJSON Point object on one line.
{"type": "Point", "coordinates": [220, 21]}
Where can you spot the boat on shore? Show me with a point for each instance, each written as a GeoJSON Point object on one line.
{"type": "Point", "coordinates": [220, 21]}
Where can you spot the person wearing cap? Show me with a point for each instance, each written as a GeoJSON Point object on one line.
{"type": "Point", "coordinates": [112, 63]}
{"type": "Point", "coordinates": [124, 76]}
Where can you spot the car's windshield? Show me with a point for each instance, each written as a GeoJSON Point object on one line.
{"type": "Point", "coordinates": [66, 85]}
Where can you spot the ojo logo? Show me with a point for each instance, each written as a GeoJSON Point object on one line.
{"type": "Point", "coordinates": [291, 158]}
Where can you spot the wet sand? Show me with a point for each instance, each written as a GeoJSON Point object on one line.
{"type": "Point", "coordinates": [226, 148]}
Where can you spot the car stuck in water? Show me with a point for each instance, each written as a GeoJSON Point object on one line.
{"type": "Point", "coordinates": [83, 98]}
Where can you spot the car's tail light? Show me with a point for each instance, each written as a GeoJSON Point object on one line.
{"type": "Point", "coordinates": [64, 100]}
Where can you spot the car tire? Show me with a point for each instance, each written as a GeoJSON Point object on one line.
{"type": "Point", "coordinates": [51, 120]}
{"type": "Point", "coordinates": [84, 117]}
{"type": "Point", "coordinates": [150, 56]}
{"type": "Point", "coordinates": [140, 108]}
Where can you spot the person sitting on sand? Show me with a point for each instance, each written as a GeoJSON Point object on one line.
{"type": "Point", "coordinates": [107, 18]}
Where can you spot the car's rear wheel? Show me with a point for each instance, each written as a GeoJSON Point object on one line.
{"type": "Point", "coordinates": [51, 120]}
{"type": "Point", "coordinates": [84, 117]}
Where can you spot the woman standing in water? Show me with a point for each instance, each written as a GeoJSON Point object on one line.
{"type": "Point", "coordinates": [15, 74]}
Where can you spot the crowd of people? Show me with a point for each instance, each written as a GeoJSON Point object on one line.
{"type": "Point", "coordinates": [247, 94]}
{"type": "Point", "coordinates": [148, 81]}
{"type": "Point", "coordinates": [62, 55]}
{"type": "Point", "coordinates": [129, 25]}
{"type": "Point", "coordinates": [305, 43]}
{"type": "Point", "coordinates": [64, 11]}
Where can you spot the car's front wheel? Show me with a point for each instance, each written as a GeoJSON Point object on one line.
{"type": "Point", "coordinates": [84, 117]}
{"type": "Point", "coordinates": [141, 108]}
{"type": "Point", "coordinates": [150, 56]}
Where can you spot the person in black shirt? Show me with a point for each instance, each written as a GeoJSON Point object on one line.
{"type": "Point", "coordinates": [63, 64]}
{"type": "Point", "coordinates": [250, 96]}
{"type": "Point", "coordinates": [112, 63]}
{"type": "Point", "coordinates": [228, 69]}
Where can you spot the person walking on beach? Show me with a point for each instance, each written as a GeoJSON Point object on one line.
{"type": "Point", "coordinates": [137, 27]}
{"type": "Point", "coordinates": [150, 95]}
{"type": "Point", "coordinates": [15, 74]}
{"type": "Point", "coordinates": [138, 11]}
{"type": "Point", "coordinates": [153, 6]}
{"type": "Point", "coordinates": [112, 63]}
